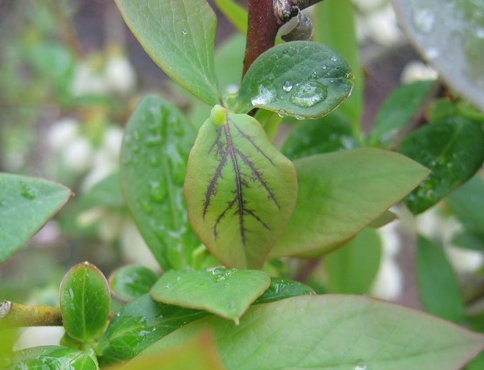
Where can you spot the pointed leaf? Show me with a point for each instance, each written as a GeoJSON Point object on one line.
{"type": "Point", "coordinates": [300, 78]}
{"type": "Point", "coordinates": [337, 333]}
{"type": "Point", "coordinates": [84, 301]}
{"type": "Point", "coordinates": [240, 190]}
{"type": "Point", "coordinates": [452, 149]}
{"type": "Point", "coordinates": [131, 282]}
{"type": "Point", "coordinates": [341, 193]}
{"type": "Point", "coordinates": [51, 357]}
{"type": "Point", "coordinates": [25, 205]}
{"type": "Point", "coordinates": [153, 164]}
{"type": "Point", "coordinates": [227, 293]}
{"type": "Point", "coordinates": [282, 289]}
{"type": "Point", "coordinates": [179, 36]}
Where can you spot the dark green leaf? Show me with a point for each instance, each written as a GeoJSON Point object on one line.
{"type": "Point", "coordinates": [340, 193]}
{"type": "Point", "coordinates": [452, 149]}
{"type": "Point", "coordinates": [327, 134]}
{"type": "Point", "coordinates": [50, 357]}
{"type": "Point", "coordinates": [84, 301]}
{"type": "Point", "coordinates": [179, 36]}
{"type": "Point", "coordinates": [472, 240]}
{"type": "Point", "coordinates": [240, 190]}
{"type": "Point", "coordinates": [25, 205]}
{"type": "Point", "coordinates": [450, 36]}
{"type": "Point", "coordinates": [282, 289]}
{"type": "Point", "coordinates": [335, 332]}
{"type": "Point", "coordinates": [153, 164]}
{"type": "Point", "coordinates": [300, 78]}
{"type": "Point", "coordinates": [403, 105]}
{"type": "Point", "coordinates": [226, 293]}
{"type": "Point", "coordinates": [352, 268]}
{"type": "Point", "coordinates": [437, 283]}
{"type": "Point", "coordinates": [131, 282]}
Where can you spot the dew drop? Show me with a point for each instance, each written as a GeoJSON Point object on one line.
{"type": "Point", "coordinates": [324, 66]}
{"type": "Point", "coordinates": [153, 140]}
{"type": "Point", "coordinates": [168, 286]}
{"type": "Point", "coordinates": [423, 19]}
{"type": "Point", "coordinates": [157, 191]}
{"type": "Point", "coordinates": [281, 113]}
{"type": "Point", "coordinates": [309, 94]}
{"type": "Point", "coordinates": [360, 365]}
{"type": "Point", "coordinates": [146, 206]}
{"type": "Point", "coordinates": [184, 32]}
{"type": "Point", "coordinates": [287, 86]}
{"type": "Point", "coordinates": [334, 59]}
{"type": "Point", "coordinates": [28, 192]}
{"type": "Point", "coordinates": [264, 97]}
{"type": "Point", "coordinates": [314, 75]}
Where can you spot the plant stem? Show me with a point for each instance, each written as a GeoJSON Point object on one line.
{"type": "Point", "coordinates": [14, 315]}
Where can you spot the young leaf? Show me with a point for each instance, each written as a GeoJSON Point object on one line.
{"type": "Point", "coordinates": [352, 268]}
{"type": "Point", "coordinates": [131, 282]}
{"type": "Point", "coordinates": [399, 108]}
{"type": "Point", "coordinates": [300, 78]}
{"type": "Point", "coordinates": [452, 149]}
{"type": "Point", "coordinates": [179, 36]}
{"type": "Point", "coordinates": [84, 301]}
{"type": "Point", "coordinates": [51, 357]}
{"type": "Point", "coordinates": [335, 332]}
{"type": "Point", "coordinates": [227, 293]}
{"type": "Point", "coordinates": [25, 205]}
{"type": "Point", "coordinates": [240, 191]}
{"type": "Point", "coordinates": [437, 283]}
{"type": "Point", "coordinates": [153, 164]}
{"type": "Point", "coordinates": [234, 13]}
{"type": "Point", "coordinates": [341, 193]}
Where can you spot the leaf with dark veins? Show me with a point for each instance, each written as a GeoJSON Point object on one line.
{"type": "Point", "coordinates": [240, 190]}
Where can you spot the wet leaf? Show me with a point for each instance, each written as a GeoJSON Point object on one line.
{"type": "Point", "coordinates": [225, 292]}
{"type": "Point", "coordinates": [282, 289]}
{"type": "Point", "coordinates": [340, 193]}
{"type": "Point", "coordinates": [153, 164]}
{"type": "Point", "coordinates": [449, 35]}
{"type": "Point", "coordinates": [179, 36]}
{"type": "Point", "coordinates": [335, 332]}
{"type": "Point", "coordinates": [240, 191]}
{"type": "Point", "coordinates": [84, 301]}
{"type": "Point", "coordinates": [452, 149]}
{"type": "Point", "coordinates": [131, 282]}
{"type": "Point", "coordinates": [51, 357]}
{"type": "Point", "coordinates": [25, 205]}
{"type": "Point", "coordinates": [299, 78]}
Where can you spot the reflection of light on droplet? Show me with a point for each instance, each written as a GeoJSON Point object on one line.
{"type": "Point", "coordinates": [309, 94]}
{"type": "Point", "coordinates": [360, 365]}
{"type": "Point", "coordinates": [423, 20]}
{"type": "Point", "coordinates": [264, 97]}
{"type": "Point", "coordinates": [287, 86]}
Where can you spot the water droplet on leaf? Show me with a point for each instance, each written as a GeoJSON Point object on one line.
{"type": "Point", "coordinates": [423, 19]}
{"type": "Point", "coordinates": [157, 191]}
{"type": "Point", "coordinates": [334, 59]}
{"type": "Point", "coordinates": [28, 192]}
{"type": "Point", "coordinates": [287, 86]}
{"type": "Point", "coordinates": [360, 365]}
{"type": "Point", "coordinates": [147, 207]}
{"type": "Point", "coordinates": [309, 94]}
{"type": "Point", "coordinates": [184, 32]}
{"type": "Point", "coordinates": [264, 97]}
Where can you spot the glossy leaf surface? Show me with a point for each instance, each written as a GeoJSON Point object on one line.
{"type": "Point", "coordinates": [240, 191]}
{"type": "Point", "coordinates": [25, 205]}
{"type": "Point", "coordinates": [341, 193]}
{"type": "Point", "coordinates": [179, 36]}
{"type": "Point", "coordinates": [282, 289]}
{"type": "Point", "coordinates": [51, 357]}
{"type": "Point", "coordinates": [84, 301]}
{"type": "Point", "coordinates": [352, 268]}
{"type": "Point", "coordinates": [225, 292]}
{"type": "Point", "coordinates": [353, 333]}
{"type": "Point", "coordinates": [131, 282]}
{"type": "Point", "coordinates": [299, 78]}
{"type": "Point", "coordinates": [450, 35]}
{"type": "Point", "coordinates": [452, 149]}
{"type": "Point", "coordinates": [153, 165]}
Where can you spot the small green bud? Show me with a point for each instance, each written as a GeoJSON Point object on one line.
{"type": "Point", "coordinates": [218, 115]}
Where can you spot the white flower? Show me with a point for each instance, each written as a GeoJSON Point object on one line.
{"type": "Point", "coordinates": [417, 70]}
{"type": "Point", "coordinates": [78, 155]}
{"type": "Point", "coordinates": [120, 76]}
{"type": "Point", "coordinates": [88, 81]}
{"type": "Point", "coordinates": [383, 27]}
{"type": "Point", "coordinates": [369, 5]}
{"type": "Point", "coordinates": [62, 133]}
{"type": "Point", "coordinates": [135, 249]}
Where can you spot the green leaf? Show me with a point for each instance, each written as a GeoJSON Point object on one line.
{"type": "Point", "coordinates": [226, 293]}
{"type": "Point", "coordinates": [334, 332]}
{"type": "Point", "coordinates": [240, 190]}
{"type": "Point", "coordinates": [437, 283]}
{"type": "Point", "coordinates": [84, 301]}
{"type": "Point", "coordinates": [327, 20]}
{"type": "Point", "coordinates": [283, 289]}
{"type": "Point", "coordinates": [51, 357]}
{"type": "Point", "coordinates": [198, 353]}
{"type": "Point", "coordinates": [472, 240]}
{"type": "Point", "coordinates": [399, 109]}
{"type": "Point", "coordinates": [452, 149]}
{"type": "Point", "coordinates": [341, 193]}
{"type": "Point", "coordinates": [449, 35]}
{"type": "Point", "coordinates": [131, 282]}
{"type": "Point", "coordinates": [352, 268]}
{"type": "Point", "coordinates": [328, 134]}
{"type": "Point", "coordinates": [179, 36]}
{"type": "Point", "coordinates": [25, 205]}
{"type": "Point", "coordinates": [105, 193]}
{"type": "Point", "coordinates": [234, 13]}
{"type": "Point", "coordinates": [299, 78]}
{"type": "Point", "coordinates": [153, 164]}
